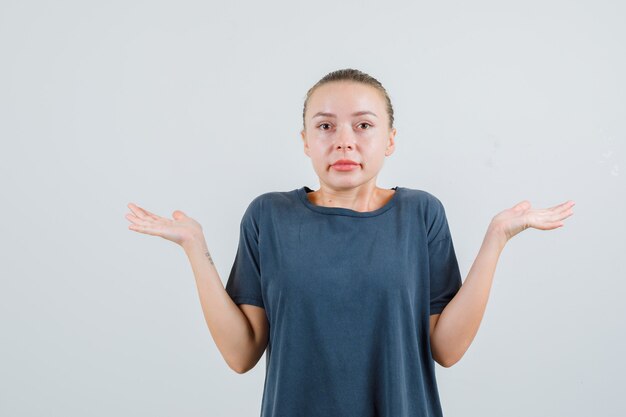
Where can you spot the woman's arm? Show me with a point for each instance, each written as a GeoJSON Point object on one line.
{"type": "Point", "coordinates": [460, 319]}
{"type": "Point", "coordinates": [240, 333]}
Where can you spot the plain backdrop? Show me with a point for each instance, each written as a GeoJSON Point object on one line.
{"type": "Point", "coordinates": [197, 106]}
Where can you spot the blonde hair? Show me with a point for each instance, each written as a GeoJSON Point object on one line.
{"type": "Point", "coordinates": [350, 74]}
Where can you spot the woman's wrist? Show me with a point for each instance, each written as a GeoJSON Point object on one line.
{"type": "Point", "coordinates": [194, 242]}
{"type": "Point", "coordinates": [496, 232]}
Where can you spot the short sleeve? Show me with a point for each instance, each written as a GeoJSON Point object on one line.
{"type": "Point", "coordinates": [244, 281]}
{"type": "Point", "coordinates": [445, 276]}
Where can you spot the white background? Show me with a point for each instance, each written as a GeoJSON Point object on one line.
{"type": "Point", "coordinates": [197, 106]}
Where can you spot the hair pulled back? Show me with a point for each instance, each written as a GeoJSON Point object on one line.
{"type": "Point", "coordinates": [350, 74]}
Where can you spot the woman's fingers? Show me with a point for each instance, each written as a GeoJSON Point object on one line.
{"type": "Point", "coordinates": [137, 211]}
{"type": "Point", "coordinates": [146, 229]}
{"type": "Point", "coordinates": [139, 221]}
{"type": "Point", "coordinates": [145, 225]}
{"type": "Point", "coordinates": [563, 211]}
{"type": "Point", "coordinates": [142, 220]}
{"type": "Point", "coordinates": [563, 206]}
{"type": "Point", "coordinates": [564, 215]}
{"type": "Point", "coordinates": [553, 217]}
{"type": "Point", "coordinates": [141, 212]}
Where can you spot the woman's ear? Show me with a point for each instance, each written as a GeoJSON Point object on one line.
{"type": "Point", "coordinates": [306, 145]}
{"type": "Point", "coordinates": [391, 145]}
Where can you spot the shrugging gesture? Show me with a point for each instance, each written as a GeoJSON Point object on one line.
{"type": "Point", "coordinates": [521, 216]}
{"type": "Point", "coordinates": [240, 333]}
{"type": "Point", "coordinates": [181, 229]}
{"type": "Point", "coordinates": [455, 328]}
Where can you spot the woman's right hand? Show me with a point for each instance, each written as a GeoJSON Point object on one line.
{"type": "Point", "coordinates": [182, 229]}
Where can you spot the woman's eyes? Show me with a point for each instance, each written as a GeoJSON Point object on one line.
{"type": "Point", "coordinates": [363, 123]}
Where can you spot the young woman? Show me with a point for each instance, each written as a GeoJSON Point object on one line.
{"type": "Point", "coordinates": [352, 290]}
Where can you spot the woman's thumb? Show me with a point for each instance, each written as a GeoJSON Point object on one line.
{"type": "Point", "coordinates": [177, 214]}
{"type": "Point", "coordinates": [523, 205]}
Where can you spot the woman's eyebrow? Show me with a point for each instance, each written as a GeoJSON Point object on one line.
{"type": "Point", "coordinates": [358, 113]}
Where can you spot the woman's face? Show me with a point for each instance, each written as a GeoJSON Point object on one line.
{"type": "Point", "coordinates": [347, 120]}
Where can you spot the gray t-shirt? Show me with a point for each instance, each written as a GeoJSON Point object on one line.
{"type": "Point", "coordinates": [348, 296]}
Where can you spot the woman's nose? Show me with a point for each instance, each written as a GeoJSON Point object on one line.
{"type": "Point", "coordinates": [345, 138]}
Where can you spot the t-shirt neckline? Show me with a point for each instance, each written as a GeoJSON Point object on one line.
{"type": "Point", "coordinates": [302, 193]}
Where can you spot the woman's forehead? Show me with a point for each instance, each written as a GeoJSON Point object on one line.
{"type": "Point", "coordinates": [345, 98]}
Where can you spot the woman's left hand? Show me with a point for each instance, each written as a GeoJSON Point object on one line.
{"type": "Point", "coordinates": [521, 216]}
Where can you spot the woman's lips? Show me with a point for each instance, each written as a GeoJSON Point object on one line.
{"type": "Point", "coordinates": [345, 167]}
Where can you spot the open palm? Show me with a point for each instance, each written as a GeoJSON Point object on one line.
{"type": "Point", "coordinates": [180, 229]}
{"type": "Point", "coordinates": [521, 216]}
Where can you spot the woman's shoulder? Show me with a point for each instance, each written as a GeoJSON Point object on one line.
{"type": "Point", "coordinates": [421, 197]}
{"type": "Point", "coordinates": [268, 200]}
{"type": "Point", "coordinates": [270, 197]}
